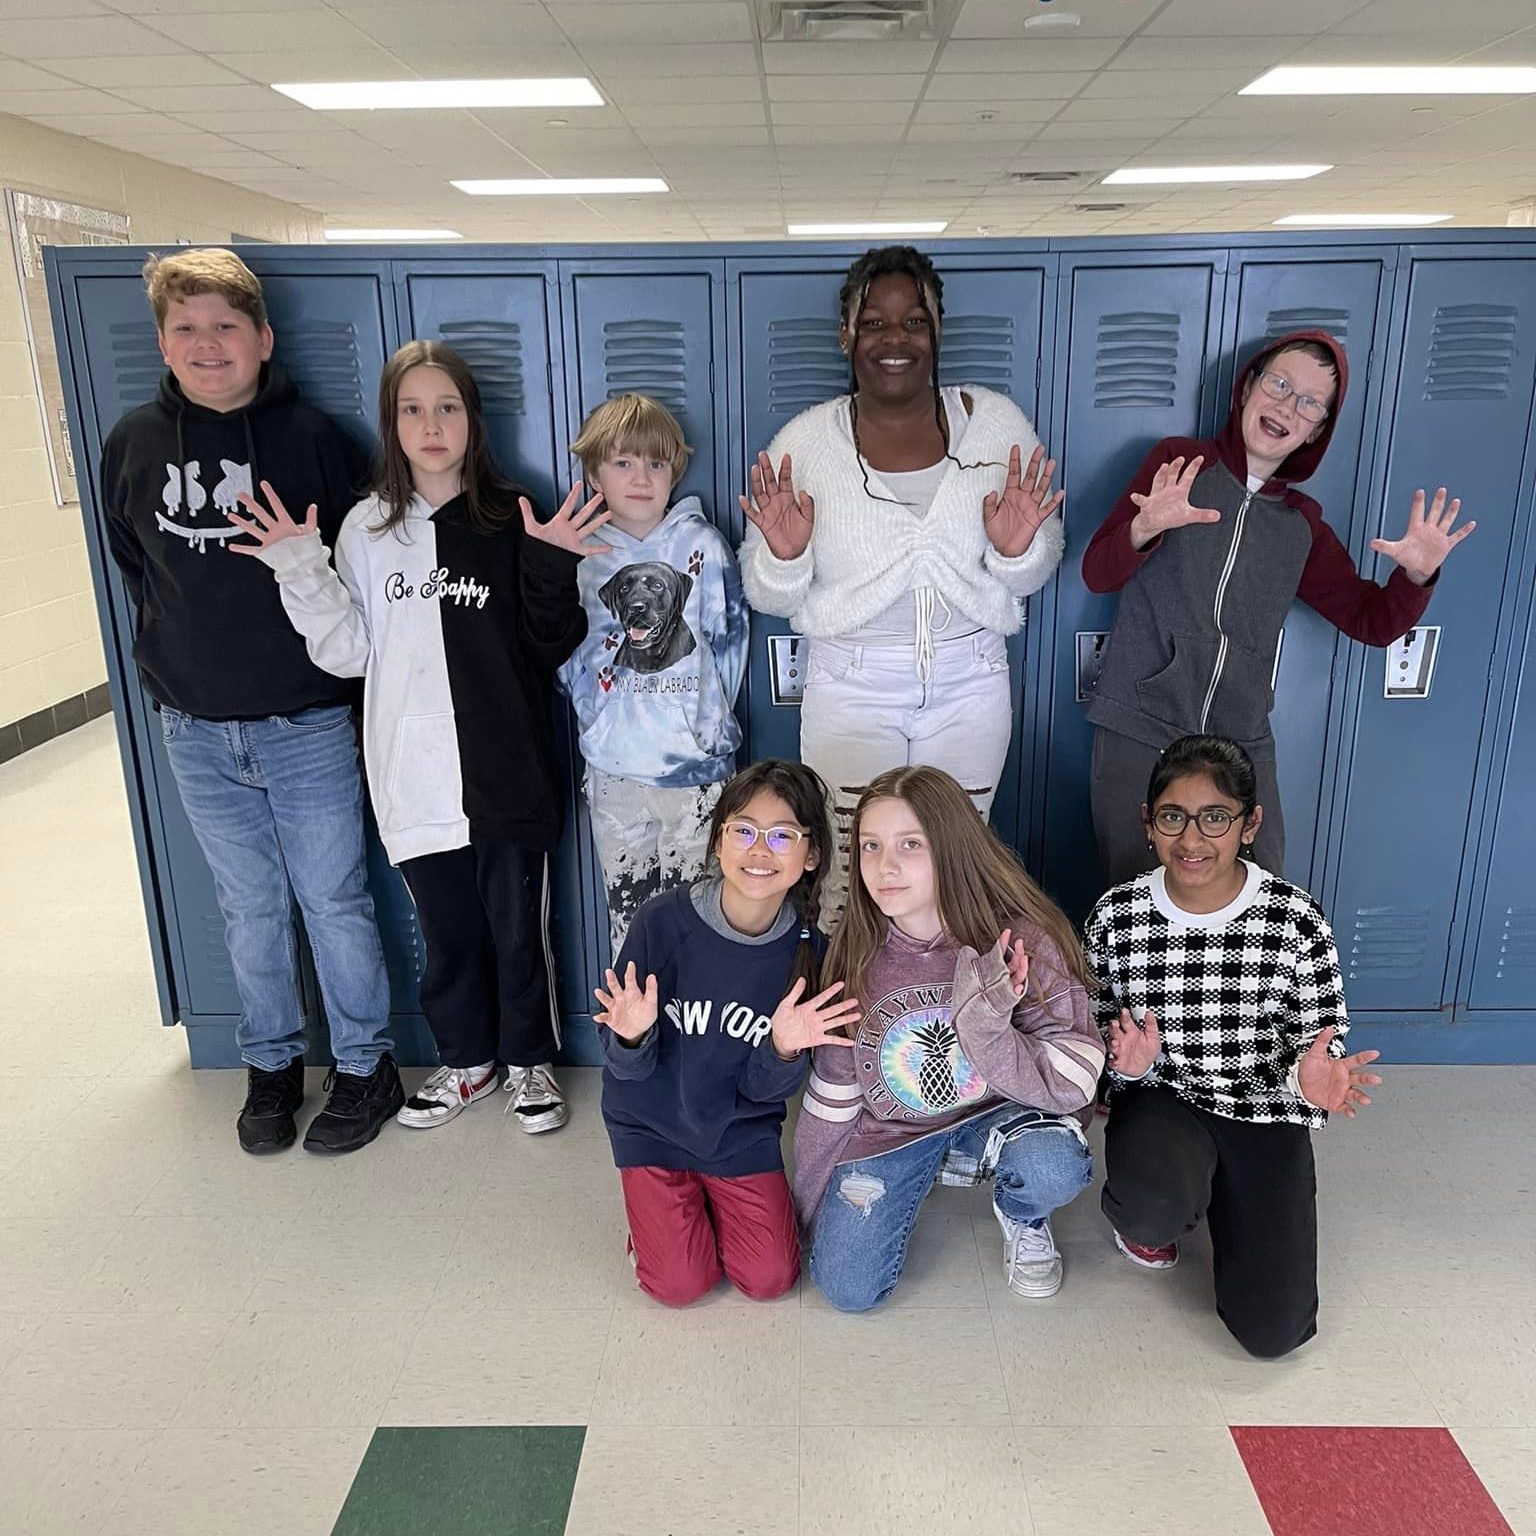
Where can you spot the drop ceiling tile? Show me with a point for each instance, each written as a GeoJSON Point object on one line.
{"type": "Point", "coordinates": [627, 90]}
{"type": "Point", "coordinates": [1201, 85]}
{"type": "Point", "coordinates": [79, 37]}
{"type": "Point", "coordinates": [972, 133]}
{"type": "Point", "coordinates": [1221, 18]}
{"type": "Point", "coordinates": [362, 62]}
{"type": "Point", "coordinates": [696, 115]}
{"type": "Point", "coordinates": [312, 125]}
{"type": "Point", "coordinates": [1051, 85]}
{"type": "Point", "coordinates": [216, 98]}
{"type": "Point", "coordinates": [235, 33]}
{"type": "Point", "coordinates": [16, 76]}
{"type": "Point", "coordinates": [847, 59]}
{"type": "Point", "coordinates": [70, 101]}
{"type": "Point", "coordinates": [1146, 132]}
{"type": "Point", "coordinates": [638, 21]}
{"type": "Point", "coordinates": [143, 71]}
{"type": "Point", "coordinates": [464, 25]}
{"type": "Point", "coordinates": [1044, 56]}
{"type": "Point", "coordinates": [875, 87]}
{"type": "Point", "coordinates": [809, 113]}
{"type": "Point", "coordinates": [664, 137]}
{"type": "Point", "coordinates": [1395, 18]}
{"type": "Point", "coordinates": [657, 61]}
{"type": "Point", "coordinates": [1124, 109]}
{"type": "Point", "coordinates": [998, 111]}
{"type": "Point", "coordinates": [1250, 54]}
{"type": "Point", "coordinates": [85, 125]}
{"type": "Point", "coordinates": [1005, 18]}
{"type": "Point", "coordinates": [38, 10]}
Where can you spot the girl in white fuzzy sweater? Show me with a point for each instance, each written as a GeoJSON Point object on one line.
{"type": "Point", "coordinates": [895, 527]}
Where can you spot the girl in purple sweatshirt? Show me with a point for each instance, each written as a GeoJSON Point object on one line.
{"type": "Point", "coordinates": [976, 1058]}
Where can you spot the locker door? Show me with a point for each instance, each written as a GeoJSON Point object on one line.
{"type": "Point", "coordinates": [790, 359]}
{"type": "Point", "coordinates": [499, 323]}
{"type": "Point", "coordinates": [1267, 297]}
{"type": "Point", "coordinates": [1135, 343]}
{"type": "Point", "coordinates": [1458, 415]}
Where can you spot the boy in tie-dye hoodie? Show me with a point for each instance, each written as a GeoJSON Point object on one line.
{"type": "Point", "coordinates": [655, 683]}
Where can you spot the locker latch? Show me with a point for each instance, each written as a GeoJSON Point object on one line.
{"type": "Point", "coordinates": [786, 669]}
{"type": "Point", "coordinates": [1410, 664]}
{"type": "Point", "coordinates": [1091, 644]}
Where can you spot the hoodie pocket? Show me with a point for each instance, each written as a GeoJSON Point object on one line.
{"type": "Point", "coordinates": [1244, 697]}
{"type": "Point", "coordinates": [424, 786]}
{"type": "Point", "coordinates": [1173, 696]}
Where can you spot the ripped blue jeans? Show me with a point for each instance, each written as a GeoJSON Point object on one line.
{"type": "Point", "coordinates": [1037, 1162]}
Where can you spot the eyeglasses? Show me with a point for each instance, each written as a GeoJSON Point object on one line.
{"type": "Point", "coordinates": [742, 835]}
{"type": "Point", "coordinates": [1308, 407]}
{"type": "Point", "coordinates": [1211, 822]}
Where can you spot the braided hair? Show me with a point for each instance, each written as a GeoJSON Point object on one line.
{"type": "Point", "coordinates": [887, 261]}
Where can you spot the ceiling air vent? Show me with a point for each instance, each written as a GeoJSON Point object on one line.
{"type": "Point", "coordinates": [854, 21]}
{"type": "Point", "coordinates": [1025, 178]}
{"type": "Point", "coordinates": [1098, 207]}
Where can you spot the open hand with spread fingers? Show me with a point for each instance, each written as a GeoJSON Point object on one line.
{"type": "Point", "coordinates": [571, 527]}
{"type": "Point", "coordinates": [628, 1010]}
{"type": "Point", "coordinates": [1422, 549]}
{"type": "Point", "coordinates": [1134, 1047]}
{"type": "Point", "coordinates": [1015, 959]}
{"type": "Point", "coordinates": [1167, 505]}
{"type": "Point", "coordinates": [783, 515]}
{"type": "Point", "coordinates": [271, 524]}
{"type": "Point", "coordinates": [1013, 518]}
{"type": "Point", "coordinates": [1336, 1083]}
{"type": "Point", "coordinates": [801, 1026]}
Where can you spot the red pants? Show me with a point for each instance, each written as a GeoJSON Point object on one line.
{"type": "Point", "coordinates": [687, 1229]}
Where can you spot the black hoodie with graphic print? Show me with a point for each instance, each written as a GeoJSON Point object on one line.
{"type": "Point", "coordinates": [212, 638]}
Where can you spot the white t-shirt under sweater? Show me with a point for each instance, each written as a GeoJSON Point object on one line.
{"type": "Point", "coordinates": [868, 551]}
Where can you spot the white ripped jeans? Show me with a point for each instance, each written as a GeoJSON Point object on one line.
{"type": "Point", "coordinates": [866, 709]}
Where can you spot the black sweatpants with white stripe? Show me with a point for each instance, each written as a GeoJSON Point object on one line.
{"type": "Point", "coordinates": [487, 988]}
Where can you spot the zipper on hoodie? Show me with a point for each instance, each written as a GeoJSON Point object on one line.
{"type": "Point", "coordinates": [1221, 592]}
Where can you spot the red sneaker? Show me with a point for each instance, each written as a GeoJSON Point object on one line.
{"type": "Point", "coordinates": [1148, 1258]}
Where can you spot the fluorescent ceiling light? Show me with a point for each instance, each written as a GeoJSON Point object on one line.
{"type": "Point", "coordinates": [1365, 220]}
{"type": "Point", "coordinates": [1394, 80]}
{"type": "Point", "coordinates": [371, 95]}
{"type": "Point", "coordinates": [931, 227]}
{"type": "Point", "coordinates": [564, 186]}
{"type": "Point", "coordinates": [1157, 175]}
{"type": "Point", "coordinates": [392, 234]}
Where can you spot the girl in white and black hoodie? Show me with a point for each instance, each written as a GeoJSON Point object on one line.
{"type": "Point", "coordinates": [457, 613]}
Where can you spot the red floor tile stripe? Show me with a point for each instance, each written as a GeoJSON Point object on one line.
{"type": "Point", "coordinates": [1366, 1482]}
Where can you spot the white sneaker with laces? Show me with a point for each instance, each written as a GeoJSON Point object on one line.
{"type": "Point", "coordinates": [537, 1099]}
{"type": "Point", "coordinates": [446, 1094]}
{"type": "Point", "coordinates": [1030, 1257]}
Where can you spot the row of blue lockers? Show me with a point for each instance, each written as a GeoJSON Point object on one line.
{"type": "Point", "coordinates": [1409, 816]}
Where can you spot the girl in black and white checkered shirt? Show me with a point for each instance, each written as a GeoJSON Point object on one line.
{"type": "Point", "coordinates": [1223, 1011]}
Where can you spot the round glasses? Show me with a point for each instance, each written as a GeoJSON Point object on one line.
{"type": "Point", "coordinates": [742, 835]}
{"type": "Point", "coordinates": [1308, 407]}
{"type": "Point", "coordinates": [1211, 822]}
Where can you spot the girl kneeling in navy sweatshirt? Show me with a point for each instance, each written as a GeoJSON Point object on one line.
{"type": "Point", "coordinates": [705, 1040]}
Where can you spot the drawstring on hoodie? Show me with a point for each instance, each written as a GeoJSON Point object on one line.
{"type": "Point", "coordinates": [925, 600]}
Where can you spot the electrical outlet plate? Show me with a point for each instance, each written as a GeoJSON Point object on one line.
{"type": "Point", "coordinates": [1090, 661]}
{"type": "Point", "coordinates": [1410, 663]}
{"type": "Point", "coordinates": [786, 668]}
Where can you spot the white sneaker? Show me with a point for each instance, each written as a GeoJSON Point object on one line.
{"type": "Point", "coordinates": [537, 1099]}
{"type": "Point", "coordinates": [1030, 1258]}
{"type": "Point", "coordinates": [447, 1093]}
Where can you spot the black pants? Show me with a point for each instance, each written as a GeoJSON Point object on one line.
{"type": "Point", "coordinates": [484, 918]}
{"type": "Point", "coordinates": [1168, 1164]}
{"type": "Point", "coordinates": [1118, 788]}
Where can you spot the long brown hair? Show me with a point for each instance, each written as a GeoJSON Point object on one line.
{"type": "Point", "coordinates": [980, 885]}
{"type": "Point", "coordinates": [802, 790]}
{"type": "Point", "coordinates": [489, 496]}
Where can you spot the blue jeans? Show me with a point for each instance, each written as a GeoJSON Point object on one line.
{"type": "Point", "coordinates": [871, 1205]}
{"type": "Point", "coordinates": [277, 806]}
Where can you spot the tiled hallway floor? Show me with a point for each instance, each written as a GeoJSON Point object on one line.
{"type": "Point", "coordinates": [192, 1340]}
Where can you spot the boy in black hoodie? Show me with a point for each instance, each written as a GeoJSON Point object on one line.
{"type": "Point", "coordinates": [1196, 634]}
{"type": "Point", "coordinates": [260, 740]}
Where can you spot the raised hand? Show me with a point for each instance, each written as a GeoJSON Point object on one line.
{"type": "Point", "coordinates": [627, 1011]}
{"type": "Point", "coordinates": [800, 1026]}
{"type": "Point", "coordinates": [1167, 504]}
{"type": "Point", "coordinates": [1134, 1047]}
{"type": "Point", "coordinates": [1012, 519]}
{"type": "Point", "coordinates": [1335, 1083]}
{"type": "Point", "coordinates": [272, 526]}
{"type": "Point", "coordinates": [571, 527]}
{"type": "Point", "coordinates": [783, 515]}
{"type": "Point", "coordinates": [1015, 959]}
{"type": "Point", "coordinates": [1422, 549]}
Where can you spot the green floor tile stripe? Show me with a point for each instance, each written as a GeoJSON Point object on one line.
{"type": "Point", "coordinates": [513, 1480]}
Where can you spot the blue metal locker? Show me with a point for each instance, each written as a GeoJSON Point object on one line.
{"type": "Point", "coordinates": [1457, 412]}
{"type": "Point", "coordinates": [1349, 296]}
{"type": "Point", "coordinates": [1135, 349]}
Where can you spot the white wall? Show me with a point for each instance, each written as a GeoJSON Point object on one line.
{"type": "Point", "coordinates": [50, 645]}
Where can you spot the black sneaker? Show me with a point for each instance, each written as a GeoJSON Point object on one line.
{"type": "Point", "coordinates": [266, 1121]}
{"type": "Point", "coordinates": [357, 1109]}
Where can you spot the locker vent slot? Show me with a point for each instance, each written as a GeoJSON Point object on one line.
{"type": "Point", "coordinates": [494, 351]}
{"type": "Point", "coordinates": [322, 358]}
{"type": "Point", "coordinates": [136, 364]}
{"type": "Point", "coordinates": [1137, 362]}
{"type": "Point", "coordinates": [805, 365]}
{"type": "Point", "coordinates": [978, 349]}
{"type": "Point", "coordinates": [1471, 352]}
{"type": "Point", "coordinates": [1517, 943]}
{"type": "Point", "coordinates": [647, 356]}
{"type": "Point", "coordinates": [1281, 322]}
{"type": "Point", "coordinates": [1388, 943]}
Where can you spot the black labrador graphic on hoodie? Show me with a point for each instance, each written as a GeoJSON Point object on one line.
{"type": "Point", "coordinates": [212, 638]}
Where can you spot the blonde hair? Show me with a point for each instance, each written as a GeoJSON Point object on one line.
{"type": "Point", "coordinates": [634, 424]}
{"type": "Point", "coordinates": [980, 885]}
{"type": "Point", "coordinates": [209, 270]}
